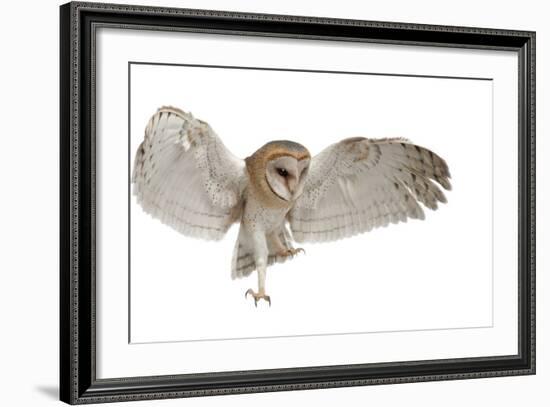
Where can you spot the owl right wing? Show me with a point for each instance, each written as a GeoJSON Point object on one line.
{"type": "Point", "coordinates": [359, 184]}
{"type": "Point", "coordinates": [184, 176]}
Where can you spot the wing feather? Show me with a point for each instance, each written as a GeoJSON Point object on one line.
{"type": "Point", "coordinates": [359, 184]}
{"type": "Point", "coordinates": [184, 176]}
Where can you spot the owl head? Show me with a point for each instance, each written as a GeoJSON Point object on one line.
{"type": "Point", "coordinates": [278, 171]}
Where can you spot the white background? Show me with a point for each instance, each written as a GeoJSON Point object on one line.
{"type": "Point", "coordinates": [30, 267]}
{"type": "Point", "coordinates": [352, 285]}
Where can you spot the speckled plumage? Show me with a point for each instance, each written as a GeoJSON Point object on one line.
{"type": "Point", "coordinates": [184, 176]}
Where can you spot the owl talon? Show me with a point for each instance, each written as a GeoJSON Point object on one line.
{"type": "Point", "coordinates": [291, 252]}
{"type": "Point", "coordinates": [257, 297]}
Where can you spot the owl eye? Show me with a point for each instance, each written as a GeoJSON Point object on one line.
{"type": "Point", "coordinates": [282, 172]}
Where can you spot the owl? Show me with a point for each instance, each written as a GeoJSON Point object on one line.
{"type": "Point", "coordinates": [184, 176]}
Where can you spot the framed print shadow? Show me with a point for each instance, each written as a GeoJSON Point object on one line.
{"type": "Point", "coordinates": [203, 153]}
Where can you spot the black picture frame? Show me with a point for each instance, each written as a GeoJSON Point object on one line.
{"type": "Point", "coordinates": [78, 382]}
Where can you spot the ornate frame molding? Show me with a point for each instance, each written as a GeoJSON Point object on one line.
{"type": "Point", "coordinates": [77, 195]}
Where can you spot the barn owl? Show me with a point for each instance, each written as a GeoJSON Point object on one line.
{"type": "Point", "coordinates": [184, 176]}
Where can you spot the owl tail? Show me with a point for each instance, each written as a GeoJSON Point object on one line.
{"type": "Point", "coordinates": [243, 263]}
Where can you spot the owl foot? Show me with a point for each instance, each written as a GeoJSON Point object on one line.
{"type": "Point", "coordinates": [257, 296]}
{"type": "Point", "coordinates": [291, 252]}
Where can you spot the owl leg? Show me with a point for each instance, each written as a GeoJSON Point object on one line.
{"type": "Point", "coordinates": [261, 288]}
{"type": "Point", "coordinates": [261, 254]}
{"type": "Point", "coordinates": [283, 249]}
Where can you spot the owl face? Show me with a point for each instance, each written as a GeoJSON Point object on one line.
{"type": "Point", "coordinates": [286, 176]}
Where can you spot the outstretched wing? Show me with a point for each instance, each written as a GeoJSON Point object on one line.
{"type": "Point", "coordinates": [184, 175]}
{"type": "Point", "coordinates": [359, 184]}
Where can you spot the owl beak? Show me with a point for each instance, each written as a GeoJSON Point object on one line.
{"type": "Point", "coordinates": [292, 184]}
{"type": "Point", "coordinates": [295, 190]}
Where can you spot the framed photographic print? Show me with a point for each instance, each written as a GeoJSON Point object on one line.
{"type": "Point", "coordinates": [255, 203]}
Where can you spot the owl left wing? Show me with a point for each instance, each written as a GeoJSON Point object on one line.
{"type": "Point", "coordinates": [359, 184]}
{"type": "Point", "coordinates": [185, 177]}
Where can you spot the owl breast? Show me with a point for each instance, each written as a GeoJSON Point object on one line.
{"type": "Point", "coordinates": [259, 217]}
